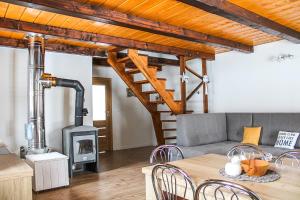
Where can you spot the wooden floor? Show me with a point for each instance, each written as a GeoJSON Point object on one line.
{"type": "Point", "coordinates": [120, 178]}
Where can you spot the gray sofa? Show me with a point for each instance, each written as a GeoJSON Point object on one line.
{"type": "Point", "coordinates": [199, 134]}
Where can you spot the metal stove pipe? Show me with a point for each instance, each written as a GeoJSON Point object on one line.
{"type": "Point", "coordinates": [48, 81]}
{"type": "Point", "coordinates": [35, 127]}
{"type": "Point", "coordinates": [79, 110]}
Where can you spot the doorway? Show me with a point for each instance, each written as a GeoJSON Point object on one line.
{"type": "Point", "coordinates": [102, 112]}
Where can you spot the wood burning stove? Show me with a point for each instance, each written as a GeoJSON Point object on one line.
{"type": "Point", "coordinates": [80, 143]}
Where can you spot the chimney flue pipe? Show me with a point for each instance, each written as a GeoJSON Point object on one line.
{"type": "Point", "coordinates": [35, 127]}
{"type": "Point", "coordinates": [79, 110]}
{"type": "Point", "coordinates": [48, 81]}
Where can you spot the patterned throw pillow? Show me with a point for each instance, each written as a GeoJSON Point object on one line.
{"type": "Point", "coordinates": [286, 139]}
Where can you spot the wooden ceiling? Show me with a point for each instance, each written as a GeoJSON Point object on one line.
{"type": "Point", "coordinates": [183, 19]}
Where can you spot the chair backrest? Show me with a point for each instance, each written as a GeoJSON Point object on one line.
{"type": "Point", "coordinates": [166, 153]}
{"type": "Point", "coordinates": [171, 183]}
{"type": "Point", "coordinates": [223, 190]}
{"type": "Point", "coordinates": [289, 158]}
{"type": "Point", "coordinates": [249, 151]}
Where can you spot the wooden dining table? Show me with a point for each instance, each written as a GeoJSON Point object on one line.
{"type": "Point", "coordinates": [206, 167]}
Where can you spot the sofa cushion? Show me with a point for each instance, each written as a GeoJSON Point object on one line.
{"type": "Point", "coordinates": [222, 148]}
{"type": "Point", "coordinates": [235, 123]}
{"type": "Point", "coordinates": [198, 129]}
{"type": "Point", "coordinates": [216, 148]}
{"type": "Point", "coordinates": [272, 123]}
{"type": "Point", "coordinates": [275, 151]}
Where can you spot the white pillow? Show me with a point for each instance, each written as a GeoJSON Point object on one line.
{"type": "Point", "coordinates": [286, 139]}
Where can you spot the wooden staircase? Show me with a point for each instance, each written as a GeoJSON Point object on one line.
{"type": "Point", "coordinates": [166, 96]}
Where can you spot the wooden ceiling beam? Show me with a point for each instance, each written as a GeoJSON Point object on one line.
{"type": "Point", "coordinates": [104, 15]}
{"type": "Point", "coordinates": [93, 37]}
{"type": "Point", "coordinates": [153, 61]}
{"type": "Point", "coordinates": [51, 46]}
{"type": "Point", "coordinates": [243, 16]}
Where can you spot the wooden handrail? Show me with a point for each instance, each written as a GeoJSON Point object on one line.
{"type": "Point", "coordinates": [193, 72]}
{"type": "Point", "coordinates": [194, 91]}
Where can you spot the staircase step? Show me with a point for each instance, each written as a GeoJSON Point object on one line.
{"type": "Point", "coordinates": [154, 91]}
{"type": "Point", "coordinates": [123, 60]}
{"type": "Point", "coordinates": [164, 111]}
{"type": "Point", "coordinates": [150, 92]}
{"type": "Point", "coordinates": [169, 129]}
{"type": "Point", "coordinates": [170, 90]}
{"type": "Point", "coordinates": [170, 138]}
{"type": "Point", "coordinates": [168, 111]}
{"type": "Point", "coordinates": [154, 67]}
{"type": "Point", "coordinates": [146, 81]}
{"type": "Point", "coordinates": [162, 79]}
{"type": "Point", "coordinates": [133, 71]}
{"type": "Point", "coordinates": [157, 102]}
{"type": "Point", "coordinates": [142, 82]}
{"type": "Point", "coordinates": [168, 120]}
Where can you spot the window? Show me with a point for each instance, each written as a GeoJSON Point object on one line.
{"type": "Point", "coordinates": [99, 111]}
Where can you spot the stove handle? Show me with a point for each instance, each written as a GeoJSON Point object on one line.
{"type": "Point", "coordinates": [94, 149]}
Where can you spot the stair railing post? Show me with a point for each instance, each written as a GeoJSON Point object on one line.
{"type": "Point", "coordinates": [182, 83]}
{"type": "Point", "coordinates": [205, 94]}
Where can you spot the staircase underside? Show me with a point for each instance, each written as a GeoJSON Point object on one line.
{"type": "Point", "coordinates": [139, 66]}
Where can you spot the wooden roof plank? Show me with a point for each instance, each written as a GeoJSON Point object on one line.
{"type": "Point", "coordinates": [92, 37]}
{"type": "Point", "coordinates": [104, 15]}
{"type": "Point", "coordinates": [243, 16]}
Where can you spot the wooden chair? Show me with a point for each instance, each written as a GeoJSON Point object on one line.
{"type": "Point", "coordinates": [165, 179]}
{"type": "Point", "coordinates": [248, 150]}
{"type": "Point", "coordinates": [166, 153]}
{"type": "Point", "coordinates": [289, 158]}
{"type": "Point", "coordinates": [223, 190]}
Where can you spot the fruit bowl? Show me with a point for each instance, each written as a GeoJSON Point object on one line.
{"type": "Point", "coordinates": [255, 167]}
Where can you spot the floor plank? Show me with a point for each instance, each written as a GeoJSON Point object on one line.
{"type": "Point", "coordinates": [120, 178]}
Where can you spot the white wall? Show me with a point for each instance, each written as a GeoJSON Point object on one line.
{"type": "Point", "coordinates": [59, 103]}
{"type": "Point", "coordinates": [255, 83]}
{"type": "Point", "coordinates": [132, 123]}
{"type": "Point", "coordinates": [239, 83]}
{"type": "Point", "coordinates": [242, 82]}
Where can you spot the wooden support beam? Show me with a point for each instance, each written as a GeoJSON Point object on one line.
{"type": "Point", "coordinates": [153, 61]}
{"type": "Point", "coordinates": [50, 46]}
{"type": "Point", "coordinates": [182, 84]}
{"type": "Point", "coordinates": [205, 95]}
{"type": "Point", "coordinates": [92, 37]}
{"type": "Point", "coordinates": [101, 62]}
{"type": "Point", "coordinates": [193, 72]}
{"type": "Point", "coordinates": [158, 128]}
{"type": "Point", "coordinates": [241, 15]}
{"type": "Point", "coordinates": [194, 91]}
{"type": "Point", "coordinates": [104, 15]}
{"type": "Point", "coordinates": [162, 61]}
